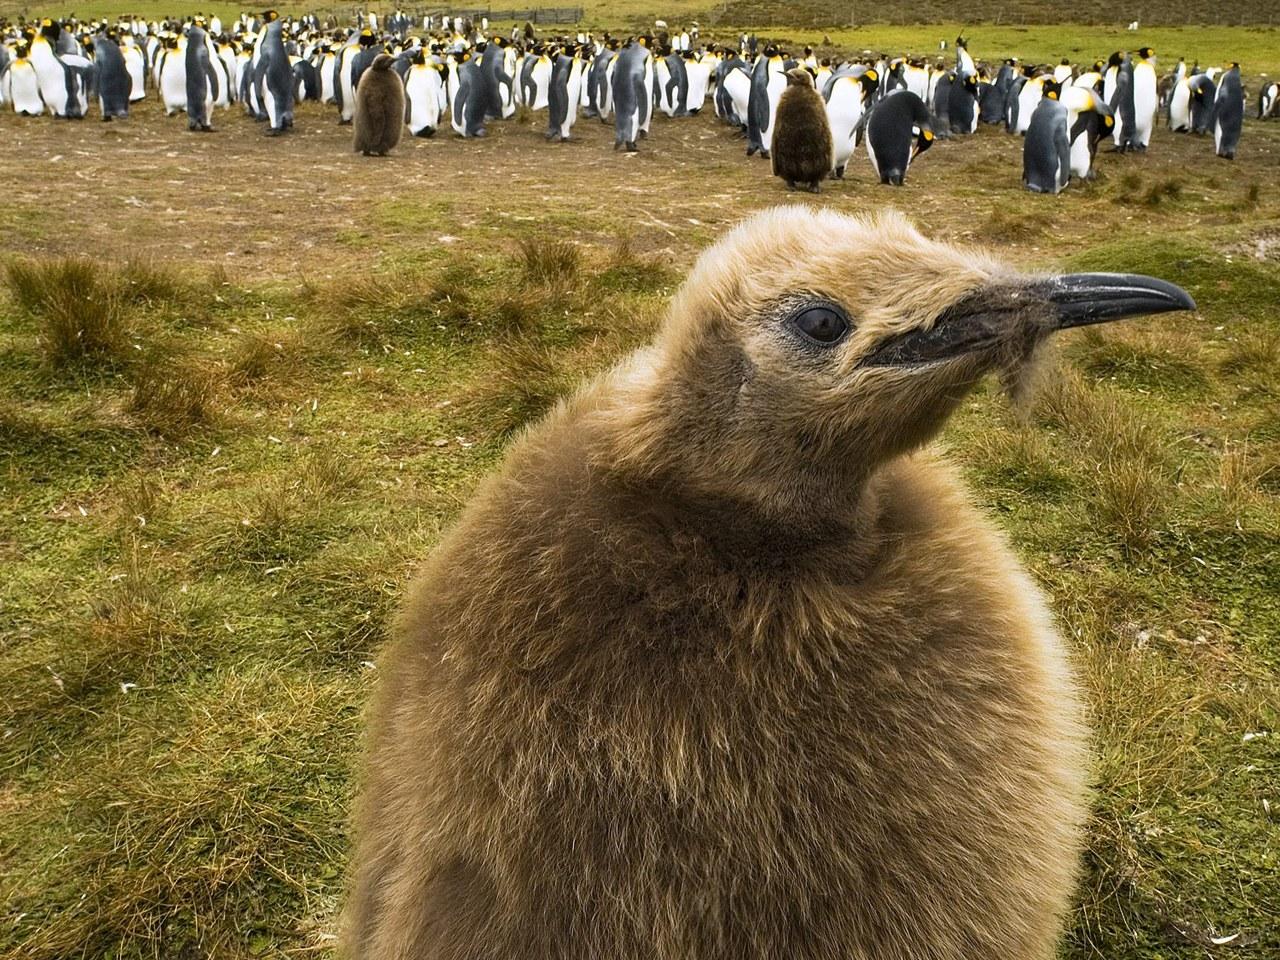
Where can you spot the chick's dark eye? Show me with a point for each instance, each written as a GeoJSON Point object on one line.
{"type": "Point", "coordinates": [826, 324]}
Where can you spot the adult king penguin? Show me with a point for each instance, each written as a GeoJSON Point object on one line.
{"type": "Point", "coordinates": [22, 84]}
{"type": "Point", "coordinates": [1046, 151]}
{"type": "Point", "coordinates": [111, 77]}
{"type": "Point", "coordinates": [848, 94]}
{"type": "Point", "coordinates": [202, 81]}
{"type": "Point", "coordinates": [275, 81]}
{"type": "Point", "coordinates": [1228, 114]}
{"type": "Point", "coordinates": [1146, 100]}
{"type": "Point", "coordinates": [632, 94]}
{"type": "Point", "coordinates": [424, 87]}
{"type": "Point", "coordinates": [898, 131]}
{"type": "Point", "coordinates": [1191, 104]}
{"type": "Point", "coordinates": [718, 665]}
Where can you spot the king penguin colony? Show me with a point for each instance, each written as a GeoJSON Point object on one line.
{"type": "Point", "coordinates": [453, 65]}
{"type": "Point", "coordinates": [699, 674]}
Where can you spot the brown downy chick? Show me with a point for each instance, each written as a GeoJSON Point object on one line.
{"type": "Point", "coordinates": [719, 666]}
{"type": "Point", "coordinates": [379, 117]}
{"type": "Point", "coordinates": [802, 151]}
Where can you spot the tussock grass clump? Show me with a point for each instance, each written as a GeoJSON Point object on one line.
{"type": "Point", "coordinates": [1011, 226]}
{"type": "Point", "coordinates": [1161, 191]}
{"type": "Point", "coordinates": [173, 397]}
{"type": "Point", "coordinates": [1020, 457]}
{"type": "Point", "coordinates": [549, 262]}
{"type": "Point", "coordinates": [531, 382]}
{"type": "Point", "coordinates": [1156, 361]}
{"type": "Point", "coordinates": [142, 282]}
{"type": "Point", "coordinates": [78, 309]}
{"type": "Point", "coordinates": [628, 271]}
{"type": "Point", "coordinates": [1123, 453]}
{"type": "Point", "coordinates": [1255, 352]}
{"type": "Point", "coordinates": [260, 356]}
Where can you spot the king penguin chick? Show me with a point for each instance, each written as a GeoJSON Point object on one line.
{"type": "Point", "coordinates": [379, 118]}
{"type": "Point", "coordinates": [802, 149]}
{"type": "Point", "coordinates": [718, 665]}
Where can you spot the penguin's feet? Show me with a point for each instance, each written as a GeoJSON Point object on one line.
{"type": "Point", "coordinates": [839, 173]}
{"type": "Point", "coordinates": [791, 185]}
{"type": "Point", "coordinates": [631, 146]}
{"type": "Point", "coordinates": [274, 131]}
{"type": "Point", "coordinates": [343, 123]}
{"type": "Point", "coordinates": [751, 151]}
{"type": "Point", "coordinates": [814, 187]}
{"type": "Point", "coordinates": [764, 154]}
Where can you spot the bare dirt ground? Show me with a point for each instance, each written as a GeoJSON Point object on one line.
{"type": "Point", "coordinates": [274, 208]}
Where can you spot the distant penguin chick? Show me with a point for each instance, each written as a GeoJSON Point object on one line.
{"type": "Point", "coordinates": [380, 111]}
{"type": "Point", "coordinates": [802, 149]}
{"type": "Point", "coordinates": [719, 666]}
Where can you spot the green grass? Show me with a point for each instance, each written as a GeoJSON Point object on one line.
{"type": "Point", "coordinates": [191, 608]}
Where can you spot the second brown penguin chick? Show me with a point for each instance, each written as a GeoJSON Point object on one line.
{"type": "Point", "coordinates": [379, 118]}
{"type": "Point", "coordinates": [802, 149]}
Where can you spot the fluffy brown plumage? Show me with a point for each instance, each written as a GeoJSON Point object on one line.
{"type": "Point", "coordinates": [802, 151]}
{"type": "Point", "coordinates": [379, 116]}
{"type": "Point", "coordinates": [719, 666]}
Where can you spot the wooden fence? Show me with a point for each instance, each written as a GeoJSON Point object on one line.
{"type": "Point", "coordinates": [533, 15]}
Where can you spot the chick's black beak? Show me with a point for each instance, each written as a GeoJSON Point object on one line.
{"type": "Point", "coordinates": [1019, 313]}
{"type": "Point", "coordinates": [1081, 299]}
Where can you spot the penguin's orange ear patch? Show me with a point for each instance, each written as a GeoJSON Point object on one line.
{"type": "Point", "coordinates": [873, 75]}
{"type": "Point", "coordinates": [928, 134]}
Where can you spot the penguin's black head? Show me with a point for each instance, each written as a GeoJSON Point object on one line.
{"type": "Point", "coordinates": [1146, 53]}
{"type": "Point", "coordinates": [830, 359]}
{"type": "Point", "coordinates": [1115, 59]}
{"type": "Point", "coordinates": [1051, 90]}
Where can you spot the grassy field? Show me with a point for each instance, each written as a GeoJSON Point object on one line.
{"type": "Point", "coordinates": [225, 446]}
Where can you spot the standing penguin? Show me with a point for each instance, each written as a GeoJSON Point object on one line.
{"type": "Point", "coordinates": [768, 80]}
{"type": "Point", "coordinates": [466, 102]}
{"type": "Point", "coordinates": [21, 84]}
{"type": "Point", "coordinates": [897, 132]}
{"type": "Point", "coordinates": [1228, 114]}
{"type": "Point", "coordinates": [275, 81]}
{"type": "Point", "coordinates": [962, 104]}
{"type": "Point", "coordinates": [802, 149]}
{"type": "Point", "coordinates": [1046, 152]}
{"type": "Point", "coordinates": [671, 80]}
{"type": "Point", "coordinates": [111, 76]}
{"type": "Point", "coordinates": [632, 94]}
{"type": "Point", "coordinates": [424, 88]}
{"type": "Point", "coordinates": [732, 96]}
{"type": "Point", "coordinates": [848, 95]}
{"type": "Point", "coordinates": [720, 665]}
{"type": "Point", "coordinates": [135, 62]}
{"type": "Point", "coordinates": [63, 77]}
{"type": "Point", "coordinates": [202, 81]}
{"type": "Point", "coordinates": [599, 100]}
{"type": "Point", "coordinates": [1146, 99]}
{"type": "Point", "coordinates": [379, 117]}
{"type": "Point", "coordinates": [1122, 103]}
{"type": "Point", "coordinates": [1191, 104]}
{"type": "Point", "coordinates": [992, 96]}
{"type": "Point", "coordinates": [497, 86]}
{"type": "Point", "coordinates": [171, 75]}
{"type": "Point", "coordinates": [941, 103]}
{"type": "Point", "coordinates": [1088, 120]}
{"type": "Point", "coordinates": [1269, 101]}
{"type": "Point", "coordinates": [564, 93]}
